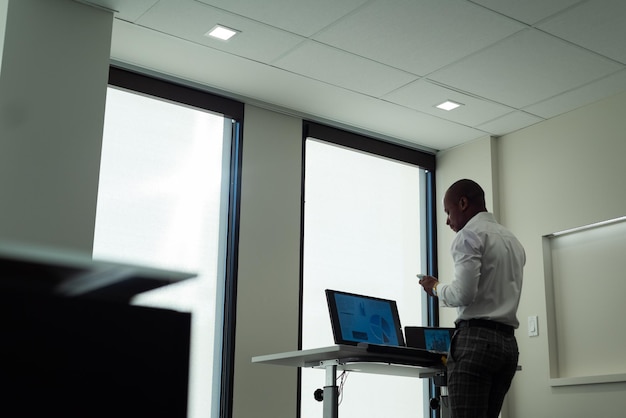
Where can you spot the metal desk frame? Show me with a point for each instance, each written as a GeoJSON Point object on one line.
{"type": "Point", "coordinates": [350, 358]}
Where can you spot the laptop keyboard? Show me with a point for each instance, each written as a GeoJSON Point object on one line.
{"type": "Point", "coordinates": [406, 355]}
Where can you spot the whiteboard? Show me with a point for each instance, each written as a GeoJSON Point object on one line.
{"type": "Point", "coordinates": [586, 295]}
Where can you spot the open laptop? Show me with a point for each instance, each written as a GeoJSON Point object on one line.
{"type": "Point", "coordinates": [371, 322]}
{"type": "Point", "coordinates": [432, 339]}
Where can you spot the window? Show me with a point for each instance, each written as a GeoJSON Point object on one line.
{"type": "Point", "coordinates": [365, 231]}
{"type": "Point", "coordinates": [165, 200]}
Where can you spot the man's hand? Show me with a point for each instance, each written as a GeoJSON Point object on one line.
{"type": "Point", "coordinates": [428, 283]}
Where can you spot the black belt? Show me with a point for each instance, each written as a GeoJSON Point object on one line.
{"type": "Point", "coordinates": [485, 323]}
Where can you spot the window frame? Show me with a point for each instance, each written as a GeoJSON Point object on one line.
{"type": "Point", "coordinates": [180, 92]}
{"type": "Point", "coordinates": [382, 148]}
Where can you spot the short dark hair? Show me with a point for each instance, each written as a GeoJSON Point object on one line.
{"type": "Point", "coordinates": [469, 189]}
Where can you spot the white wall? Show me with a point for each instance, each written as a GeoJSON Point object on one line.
{"type": "Point", "coordinates": [269, 263]}
{"type": "Point", "coordinates": [4, 5]}
{"type": "Point", "coordinates": [55, 59]}
{"type": "Point", "coordinates": [556, 175]}
{"type": "Point", "coordinates": [473, 161]}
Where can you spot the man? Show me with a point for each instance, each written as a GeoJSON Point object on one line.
{"type": "Point", "coordinates": [486, 288]}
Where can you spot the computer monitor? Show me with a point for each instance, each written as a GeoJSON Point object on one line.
{"type": "Point", "coordinates": [364, 319]}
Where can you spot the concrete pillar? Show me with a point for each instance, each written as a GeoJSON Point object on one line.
{"type": "Point", "coordinates": [53, 79]}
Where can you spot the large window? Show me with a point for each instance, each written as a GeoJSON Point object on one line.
{"type": "Point", "coordinates": [166, 199]}
{"type": "Point", "coordinates": [365, 232]}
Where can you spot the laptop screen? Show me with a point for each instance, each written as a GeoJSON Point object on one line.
{"type": "Point", "coordinates": [357, 318]}
{"type": "Point", "coordinates": [429, 338]}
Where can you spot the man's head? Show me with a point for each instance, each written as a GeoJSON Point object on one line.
{"type": "Point", "coordinates": [464, 199]}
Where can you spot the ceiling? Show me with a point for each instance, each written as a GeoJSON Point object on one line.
{"type": "Point", "coordinates": [380, 66]}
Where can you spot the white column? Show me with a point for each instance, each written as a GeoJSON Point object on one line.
{"type": "Point", "coordinates": [53, 79]}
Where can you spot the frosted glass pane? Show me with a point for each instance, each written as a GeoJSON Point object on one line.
{"type": "Point", "coordinates": [362, 234]}
{"type": "Point", "coordinates": [161, 204]}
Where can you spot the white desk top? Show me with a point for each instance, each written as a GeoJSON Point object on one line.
{"type": "Point", "coordinates": [349, 358]}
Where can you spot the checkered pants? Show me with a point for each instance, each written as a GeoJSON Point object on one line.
{"type": "Point", "coordinates": [481, 366]}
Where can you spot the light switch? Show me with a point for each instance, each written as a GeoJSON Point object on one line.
{"type": "Point", "coordinates": [533, 329]}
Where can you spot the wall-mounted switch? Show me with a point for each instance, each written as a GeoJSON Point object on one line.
{"type": "Point", "coordinates": [533, 327]}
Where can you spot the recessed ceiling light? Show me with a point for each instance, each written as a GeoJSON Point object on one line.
{"type": "Point", "coordinates": [448, 105]}
{"type": "Point", "coordinates": [221, 32]}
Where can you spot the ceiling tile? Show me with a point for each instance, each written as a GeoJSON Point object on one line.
{"type": "Point", "coordinates": [304, 17]}
{"type": "Point", "coordinates": [418, 36]}
{"type": "Point", "coordinates": [190, 20]}
{"type": "Point", "coordinates": [126, 10]}
{"type": "Point", "coordinates": [598, 25]}
{"type": "Point", "coordinates": [424, 96]}
{"type": "Point", "coordinates": [479, 53]}
{"type": "Point", "coordinates": [425, 129]}
{"type": "Point", "coordinates": [280, 90]}
{"type": "Point", "coordinates": [343, 69]}
{"type": "Point", "coordinates": [527, 11]}
{"type": "Point", "coordinates": [589, 93]}
{"type": "Point", "coordinates": [509, 123]}
{"type": "Point", "coordinates": [525, 69]}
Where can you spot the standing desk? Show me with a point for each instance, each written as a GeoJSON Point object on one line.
{"type": "Point", "coordinates": [352, 358]}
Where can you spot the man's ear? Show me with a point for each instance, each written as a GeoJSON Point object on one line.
{"type": "Point", "coordinates": [463, 203]}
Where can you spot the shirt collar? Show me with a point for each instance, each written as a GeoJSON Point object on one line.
{"type": "Point", "coordinates": [481, 216]}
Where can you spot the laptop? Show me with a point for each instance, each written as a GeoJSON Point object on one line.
{"type": "Point", "coordinates": [373, 323]}
{"type": "Point", "coordinates": [433, 339]}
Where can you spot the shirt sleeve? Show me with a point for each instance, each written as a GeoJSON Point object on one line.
{"type": "Point", "coordinates": [467, 255]}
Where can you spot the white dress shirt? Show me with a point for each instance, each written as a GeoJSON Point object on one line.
{"type": "Point", "coordinates": [488, 270]}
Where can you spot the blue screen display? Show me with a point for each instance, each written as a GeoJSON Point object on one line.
{"type": "Point", "coordinates": [437, 339]}
{"type": "Point", "coordinates": [367, 320]}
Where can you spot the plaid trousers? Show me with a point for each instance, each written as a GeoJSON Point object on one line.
{"type": "Point", "coordinates": [481, 365]}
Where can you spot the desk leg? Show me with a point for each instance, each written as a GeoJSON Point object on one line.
{"type": "Point", "coordinates": [331, 391]}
